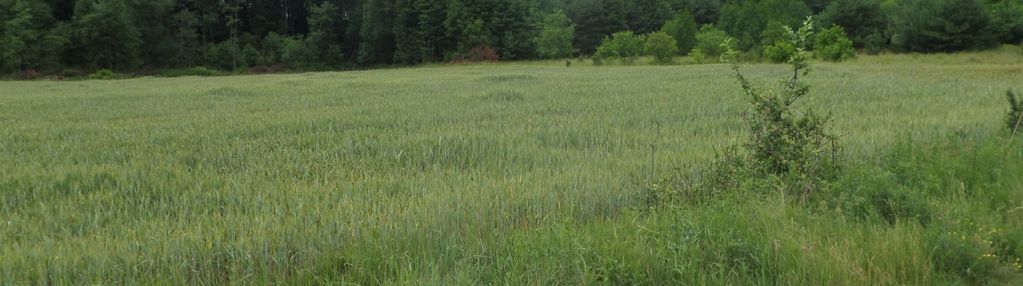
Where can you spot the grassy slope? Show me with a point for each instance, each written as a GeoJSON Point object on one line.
{"type": "Point", "coordinates": [493, 173]}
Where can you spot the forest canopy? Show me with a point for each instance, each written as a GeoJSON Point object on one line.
{"type": "Point", "coordinates": [127, 35]}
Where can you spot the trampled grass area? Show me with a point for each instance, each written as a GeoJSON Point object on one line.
{"type": "Point", "coordinates": [494, 174]}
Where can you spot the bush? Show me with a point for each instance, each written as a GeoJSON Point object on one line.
{"type": "Point", "coordinates": [683, 30]}
{"type": "Point", "coordinates": [622, 46]}
{"type": "Point", "coordinates": [793, 147]}
{"type": "Point", "coordinates": [662, 47]}
{"type": "Point", "coordinates": [834, 45]}
{"type": "Point", "coordinates": [104, 74]}
{"type": "Point", "coordinates": [788, 150]}
{"type": "Point", "coordinates": [483, 54]}
{"type": "Point", "coordinates": [710, 44]}
{"type": "Point", "coordinates": [780, 51]}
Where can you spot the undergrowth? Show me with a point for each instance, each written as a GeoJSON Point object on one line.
{"type": "Point", "coordinates": [956, 203]}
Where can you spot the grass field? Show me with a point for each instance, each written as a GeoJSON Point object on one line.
{"type": "Point", "coordinates": [517, 173]}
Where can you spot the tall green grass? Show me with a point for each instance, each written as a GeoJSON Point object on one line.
{"type": "Point", "coordinates": [527, 173]}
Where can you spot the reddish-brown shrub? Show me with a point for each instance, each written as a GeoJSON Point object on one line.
{"type": "Point", "coordinates": [484, 53]}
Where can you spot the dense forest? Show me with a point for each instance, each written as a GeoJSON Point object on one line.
{"type": "Point", "coordinates": [130, 35]}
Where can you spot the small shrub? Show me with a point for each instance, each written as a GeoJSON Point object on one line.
{"type": "Point", "coordinates": [779, 52]}
{"type": "Point", "coordinates": [1014, 120]}
{"type": "Point", "coordinates": [622, 46]}
{"type": "Point", "coordinates": [662, 47]}
{"type": "Point", "coordinates": [834, 45]}
{"type": "Point", "coordinates": [711, 43]}
{"type": "Point", "coordinates": [788, 150]}
{"type": "Point", "coordinates": [104, 74]}
{"type": "Point", "coordinates": [483, 54]}
{"type": "Point", "coordinates": [786, 144]}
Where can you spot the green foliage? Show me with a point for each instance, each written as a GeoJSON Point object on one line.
{"type": "Point", "coordinates": [376, 33]}
{"type": "Point", "coordinates": [790, 145]}
{"type": "Point", "coordinates": [938, 25]}
{"type": "Point", "coordinates": [780, 52]}
{"type": "Point", "coordinates": [704, 11]}
{"type": "Point", "coordinates": [475, 35]}
{"type": "Point", "coordinates": [556, 36]}
{"type": "Point", "coordinates": [105, 35]}
{"type": "Point", "coordinates": [322, 39]}
{"type": "Point", "coordinates": [231, 55]}
{"type": "Point", "coordinates": [777, 44]}
{"type": "Point", "coordinates": [646, 16]}
{"type": "Point", "coordinates": [300, 54]}
{"type": "Point", "coordinates": [963, 254]}
{"type": "Point", "coordinates": [862, 19]}
{"type": "Point", "coordinates": [27, 38]}
{"type": "Point", "coordinates": [622, 46]}
{"type": "Point", "coordinates": [418, 30]}
{"type": "Point", "coordinates": [662, 47]}
{"type": "Point", "coordinates": [272, 49]}
{"type": "Point", "coordinates": [50, 35]}
{"type": "Point", "coordinates": [194, 71]}
{"type": "Point", "coordinates": [157, 25]}
{"type": "Point", "coordinates": [875, 43]}
{"type": "Point", "coordinates": [833, 45]}
{"type": "Point", "coordinates": [747, 20]}
{"type": "Point", "coordinates": [773, 33]}
{"type": "Point", "coordinates": [594, 20]}
{"type": "Point", "coordinates": [711, 43]}
{"type": "Point", "coordinates": [1007, 21]}
{"type": "Point", "coordinates": [683, 30]}
{"type": "Point", "coordinates": [105, 74]}
{"type": "Point", "coordinates": [1014, 120]}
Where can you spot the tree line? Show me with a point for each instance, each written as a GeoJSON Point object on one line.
{"type": "Point", "coordinates": [126, 35]}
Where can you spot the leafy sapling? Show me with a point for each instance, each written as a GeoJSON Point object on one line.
{"type": "Point", "coordinates": [785, 143]}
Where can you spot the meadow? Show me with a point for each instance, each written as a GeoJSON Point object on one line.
{"type": "Point", "coordinates": [509, 173]}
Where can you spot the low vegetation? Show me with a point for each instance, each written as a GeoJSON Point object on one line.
{"type": "Point", "coordinates": [510, 173]}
